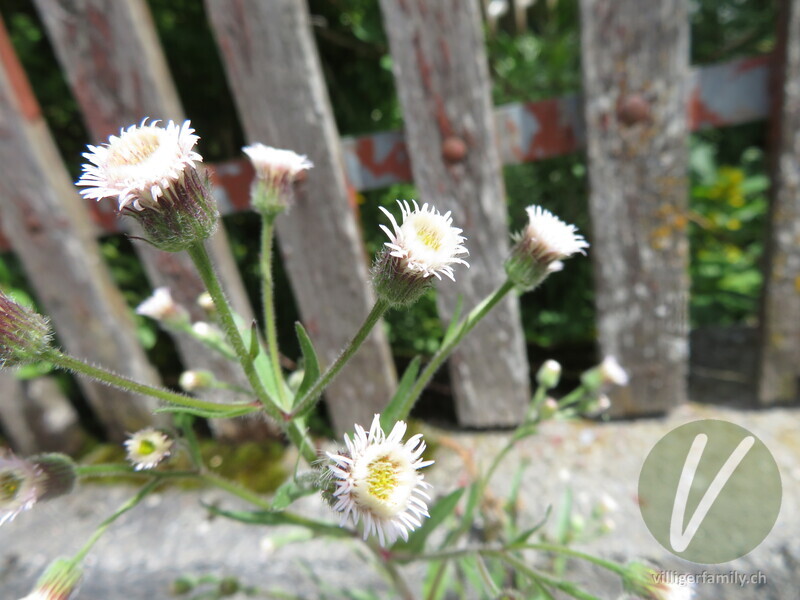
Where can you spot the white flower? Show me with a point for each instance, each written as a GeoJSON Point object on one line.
{"type": "Point", "coordinates": [549, 238]}
{"type": "Point", "coordinates": [19, 489]}
{"type": "Point", "coordinates": [377, 481]}
{"type": "Point", "coordinates": [147, 448]}
{"type": "Point", "coordinates": [161, 307]}
{"type": "Point", "coordinates": [426, 243]}
{"type": "Point", "coordinates": [141, 165]}
{"type": "Point", "coordinates": [612, 372]}
{"type": "Point", "coordinates": [274, 164]}
{"type": "Point", "coordinates": [674, 590]}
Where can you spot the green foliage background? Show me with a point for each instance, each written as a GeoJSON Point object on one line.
{"type": "Point", "coordinates": [728, 166]}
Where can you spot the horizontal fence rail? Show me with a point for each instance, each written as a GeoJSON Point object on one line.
{"type": "Point", "coordinates": [729, 93]}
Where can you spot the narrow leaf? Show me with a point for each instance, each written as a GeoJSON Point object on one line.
{"type": "Point", "coordinates": [310, 361]}
{"type": "Point", "coordinates": [523, 537]}
{"type": "Point", "coordinates": [222, 413]}
{"type": "Point", "coordinates": [266, 517]}
{"type": "Point", "coordinates": [254, 345]}
{"type": "Point", "coordinates": [393, 411]}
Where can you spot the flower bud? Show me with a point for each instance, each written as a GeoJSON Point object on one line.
{"type": "Point", "coordinates": [540, 248]}
{"type": "Point", "coordinates": [151, 171]}
{"type": "Point", "coordinates": [25, 335]}
{"type": "Point", "coordinates": [607, 373]}
{"type": "Point", "coordinates": [161, 307]}
{"type": "Point", "coordinates": [59, 582]}
{"type": "Point", "coordinates": [192, 381]}
{"type": "Point", "coordinates": [426, 245]}
{"type": "Point", "coordinates": [549, 374]}
{"type": "Point", "coordinates": [206, 302]}
{"type": "Point", "coordinates": [276, 172]}
{"type": "Point", "coordinates": [645, 582]}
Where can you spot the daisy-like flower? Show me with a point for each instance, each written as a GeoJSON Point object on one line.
{"type": "Point", "coordinates": [24, 334]}
{"type": "Point", "coordinates": [540, 248]}
{"type": "Point", "coordinates": [161, 307]}
{"type": "Point", "coordinates": [24, 482]}
{"type": "Point", "coordinates": [276, 172]}
{"type": "Point", "coordinates": [59, 581]}
{"type": "Point", "coordinates": [147, 448]}
{"type": "Point", "coordinates": [376, 480]}
{"type": "Point", "coordinates": [426, 245]}
{"type": "Point", "coordinates": [152, 173]}
{"type": "Point", "coordinates": [651, 584]}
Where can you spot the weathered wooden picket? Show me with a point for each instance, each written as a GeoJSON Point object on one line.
{"type": "Point", "coordinates": [642, 100]}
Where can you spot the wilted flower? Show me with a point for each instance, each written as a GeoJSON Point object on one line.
{"type": "Point", "coordinates": [426, 245]}
{"type": "Point", "coordinates": [276, 172]}
{"type": "Point", "coordinates": [151, 172]}
{"type": "Point", "coordinates": [376, 480]}
{"type": "Point", "coordinates": [147, 448]}
{"type": "Point", "coordinates": [24, 482]}
{"type": "Point", "coordinates": [161, 307]}
{"type": "Point", "coordinates": [59, 582]}
{"type": "Point", "coordinates": [24, 334]}
{"type": "Point", "coordinates": [540, 248]}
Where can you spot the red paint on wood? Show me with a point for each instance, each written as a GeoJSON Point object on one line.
{"type": "Point", "coordinates": [555, 135]}
{"type": "Point", "coordinates": [753, 62]}
{"type": "Point", "coordinates": [234, 177]}
{"type": "Point", "coordinates": [20, 86]}
{"type": "Point", "coordinates": [699, 114]}
{"type": "Point", "coordinates": [396, 162]}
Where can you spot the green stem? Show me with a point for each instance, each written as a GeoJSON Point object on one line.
{"type": "Point", "coordinates": [573, 397]}
{"type": "Point", "coordinates": [268, 300]}
{"type": "Point", "coordinates": [568, 588]}
{"type": "Point", "coordinates": [68, 363]}
{"type": "Point", "coordinates": [307, 402]}
{"type": "Point", "coordinates": [141, 495]}
{"type": "Point", "coordinates": [125, 470]}
{"type": "Point", "coordinates": [299, 437]}
{"type": "Point", "coordinates": [467, 325]}
{"type": "Point", "coordinates": [209, 277]}
{"type": "Point", "coordinates": [235, 489]}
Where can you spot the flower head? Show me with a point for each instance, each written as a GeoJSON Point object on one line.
{"type": "Point", "coordinates": [18, 491]}
{"type": "Point", "coordinates": [549, 374]}
{"type": "Point", "coordinates": [540, 248]}
{"type": "Point", "coordinates": [24, 482]}
{"type": "Point", "coordinates": [151, 171]}
{"type": "Point", "coordinates": [59, 581]}
{"type": "Point", "coordinates": [161, 307]}
{"type": "Point", "coordinates": [24, 334]}
{"type": "Point", "coordinates": [276, 171]}
{"type": "Point", "coordinates": [608, 373]}
{"type": "Point", "coordinates": [192, 381]}
{"type": "Point", "coordinates": [651, 584]}
{"type": "Point", "coordinates": [426, 245]}
{"type": "Point", "coordinates": [147, 448]}
{"type": "Point", "coordinates": [377, 480]}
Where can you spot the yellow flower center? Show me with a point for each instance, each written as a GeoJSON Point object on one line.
{"type": "Point", "coordinates": [135, 149]}
{"type": "Point", "coordinates": [430, 236]}
{"type": "Point", "coordinates": [9, 486]}
{"type": "Point", "coordinates": [146, 447]}
{"type": "Point", "coordinates": [382, 478]}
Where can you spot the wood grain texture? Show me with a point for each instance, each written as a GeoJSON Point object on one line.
{"type": "Point", "coordinates": [50, 228]}
{"type": "Point", "coordinates": [779, 370]}
{"type": "Point", "coordinates": [635, 69]}
{"type": "Point", "coordinates": [275, 75]}
{"type": "Point", "coordinates": [441, 71]}
{"type": "Point", "coordinates": [113, 60]}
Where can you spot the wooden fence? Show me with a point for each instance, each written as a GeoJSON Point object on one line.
{"type": "Point", "coordinates": [643, 99]}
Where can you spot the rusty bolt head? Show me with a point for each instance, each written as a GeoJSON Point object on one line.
{"type": "Point", "coordinates": [454, 149]}
{"type": "Point", "coordinates": [633, 109]}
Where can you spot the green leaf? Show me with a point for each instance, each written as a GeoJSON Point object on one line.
{"type": "Point", "coordinates": [290, 491]}
{"type": "Point", "coordinates": [222, 413]}
{"type": "Point", "coordinates": [254, 345]}
{"type": "Point", "coordinates": [563, 524]}
{"type": "Point", "coordinates": [440, 511]}
{"type": "Point", "coordinates": [310, 361]}
{"type": "Point", "coordinates": [523, 537]}
{"type": "Point", "coordinates": [453, 327]}
{"type": "Point", "coordinates": [393, 411]}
